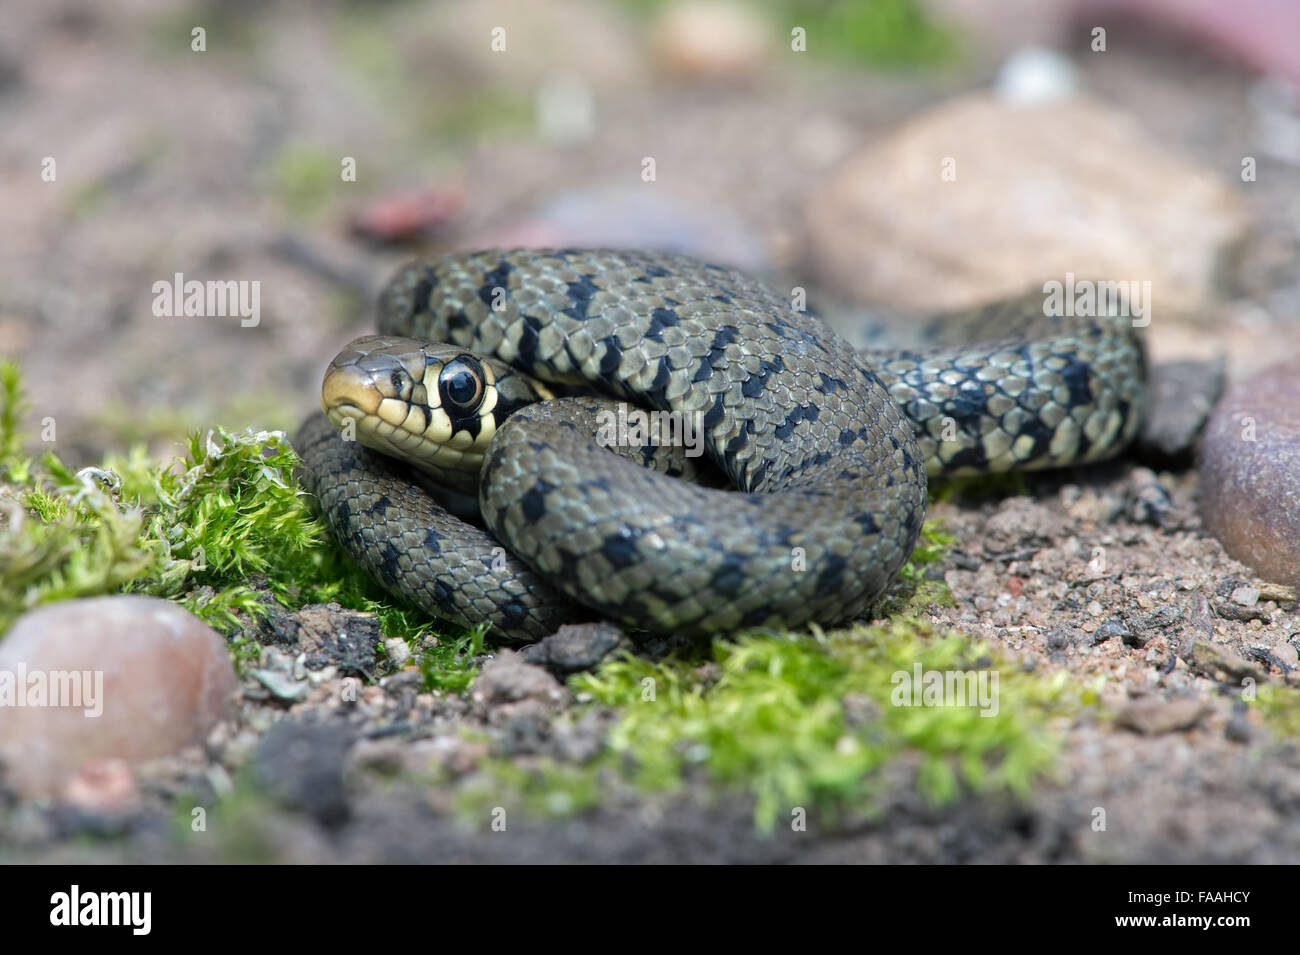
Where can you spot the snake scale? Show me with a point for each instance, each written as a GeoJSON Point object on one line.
{"type": "Point", "coordinates": [826, 449]}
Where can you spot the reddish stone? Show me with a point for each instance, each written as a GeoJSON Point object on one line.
{"type": "Point", "coordinates": [144, 679]}
{"type": "Point", "coordinates": [1250, 473]}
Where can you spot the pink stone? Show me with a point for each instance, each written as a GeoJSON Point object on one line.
{"type": "Point", "coordinates": [147, 679]}
{"type": "Point", "coordinates": [1250, 473]}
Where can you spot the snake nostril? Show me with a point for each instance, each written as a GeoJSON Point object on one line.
{"type": "Point", "coordinates": [398, 380]}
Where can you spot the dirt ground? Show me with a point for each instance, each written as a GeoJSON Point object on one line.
{"type": "Point", "coordinates": [224, 163]}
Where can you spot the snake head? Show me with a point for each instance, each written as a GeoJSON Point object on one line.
{"type": "Point", "coordinates": [431, 405]}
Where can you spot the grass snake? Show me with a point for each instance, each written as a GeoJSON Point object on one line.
{"type": "Point", "coordinates": [511, 369]}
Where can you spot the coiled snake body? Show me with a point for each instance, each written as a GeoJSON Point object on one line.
{"type": "Point", "coordinates": [827, 449]}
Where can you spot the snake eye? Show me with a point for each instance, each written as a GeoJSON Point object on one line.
{"type": "Point", "coordinates": [461, 383]}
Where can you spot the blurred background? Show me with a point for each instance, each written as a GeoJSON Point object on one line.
{"type": "Point", "coordinates": [921, 154]}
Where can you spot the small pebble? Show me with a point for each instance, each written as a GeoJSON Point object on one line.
{"type": "Point", "coordinates": [1111, 628]}
{"type": "Point", "coordinates": [575, 647]}
{"type": "Point", "coordinates": [282, 686]}
{"type": "Point", "coordinates": [1246, 596]}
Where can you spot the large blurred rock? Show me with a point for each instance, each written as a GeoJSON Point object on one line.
{"type": "Point", "coordinates": [1250, 473]}
{"type": "Point", "coordinates": [152, 679]}
{"type": "Point", "coordinates": [1040, 190]}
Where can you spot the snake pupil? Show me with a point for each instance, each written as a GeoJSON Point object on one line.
{"type": "Point", "coordinates": [461, 383]}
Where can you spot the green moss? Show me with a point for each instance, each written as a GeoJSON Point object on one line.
{"type": "Point", "coordinates": [450, 666]}
{"type": "Point", "coordinates": [882, 32]}
{"type": "Point", "coordinates": [534, 788]}
{"type": "Point", "coordinates": [226, 512]}
{"type": "Point", "coordinates": [15, 466]}
{"type": "Point", "coordinates": [1279, 710]}
{"type": "Point", "coordinates": [243, 827]}
{"type": "Point", "coordinates": [918, 591]}
{"type": "Point", "coordinates": [213, 530]}
{"type": "Point", "coordinates": [71, 539]}
{"type": "Point", "coordinates": [793, 721]}
{"type": "Point", "coordinates": [808, 721]}
{"type": "Point", "coordinates": [979, 487]}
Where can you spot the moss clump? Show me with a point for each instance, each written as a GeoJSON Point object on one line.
{"type": "Point", "coordinates": [794, 721]}
{"type": "Point", "coordinates": [808, 721]}
{"type": "Point", "coordinates": [198, 530]}
{"type": "Point", "coordinates": [919, 591]}
{"type": "Point", "coordinates": [980, 487]}
{"type": "Point", "coordinates": [882, 32]}
{"type": "Point", "coordinates": [14, 465]}
{"type": "Point", "coordinates": [1279, 710]}
{"type": "Point", "coordinates": [245, 826]}
{"type": "Point", "coordinates": [450, 665]}
{"type": "Point", "coordinates": [533, 788]}
{"type": "Point", "coordinates": [214, 530]}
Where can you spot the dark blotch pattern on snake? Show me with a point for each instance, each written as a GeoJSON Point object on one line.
{"type": "Point", "coordinates": [827, 448]}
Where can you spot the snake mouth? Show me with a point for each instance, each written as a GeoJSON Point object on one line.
{"type": "Point", "coordinates": [453, 467]}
